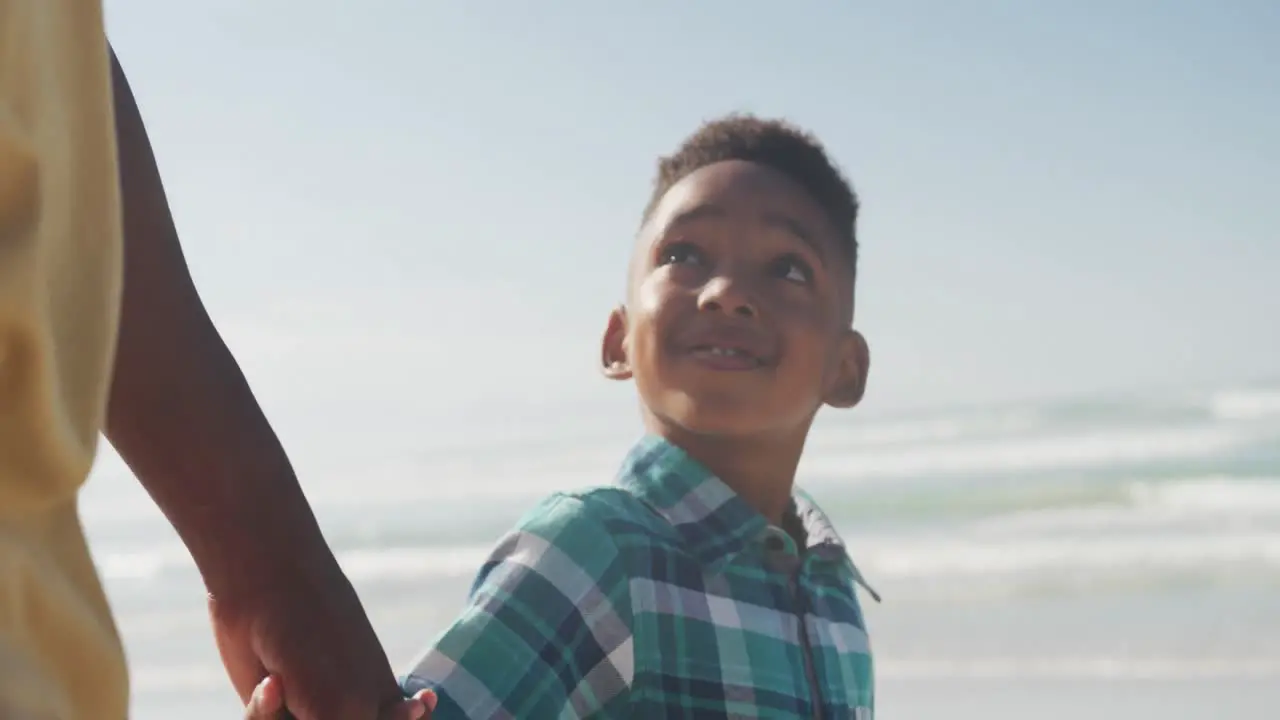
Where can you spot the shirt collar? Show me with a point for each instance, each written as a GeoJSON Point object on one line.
{"type": "Point", "coordinates": [714, 522]}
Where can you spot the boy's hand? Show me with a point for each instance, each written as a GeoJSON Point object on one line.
{"type": "Point", "coordinates": [267, 703]}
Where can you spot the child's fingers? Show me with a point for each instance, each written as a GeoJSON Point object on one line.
{"type": "Point", "coordinates": [266, 702]}
{"type": "Point", "coordinates": [428, 700]}
{"type": "Point", "coordinates": [412, 709]}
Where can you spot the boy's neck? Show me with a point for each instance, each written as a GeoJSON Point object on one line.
{"type": "Point", "coordinates": [761, 470]}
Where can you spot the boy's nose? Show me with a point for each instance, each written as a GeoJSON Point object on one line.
{"type": "Point", "coordinates": [722, 294]}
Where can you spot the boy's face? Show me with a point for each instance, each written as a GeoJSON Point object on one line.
{"type": "Point", "coordinates": [737, 321]}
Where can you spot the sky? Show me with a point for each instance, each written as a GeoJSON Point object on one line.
{"type": "Point", "coordinates": [400, 211]}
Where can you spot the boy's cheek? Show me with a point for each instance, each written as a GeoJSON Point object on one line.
{"type": "Point", "coordinates": [650, 296]}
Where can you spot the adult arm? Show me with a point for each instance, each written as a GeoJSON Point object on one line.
{"type": "Point", "coordinates": [185, 420]}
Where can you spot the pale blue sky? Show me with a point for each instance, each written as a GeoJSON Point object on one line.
{"type": "Point", "coordinates": [395, 208]}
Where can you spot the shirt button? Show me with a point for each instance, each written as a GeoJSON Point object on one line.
{"type": "Point", "coordinates": [777, 557]}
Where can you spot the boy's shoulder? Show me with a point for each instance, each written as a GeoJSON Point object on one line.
{"type": "Point", "coordinates": [606, 513]}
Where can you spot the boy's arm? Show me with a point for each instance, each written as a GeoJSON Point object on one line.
{"type": "Point", "coordinates": [547, 631]}
{"type": "Point", "coordinates": [184, 419]}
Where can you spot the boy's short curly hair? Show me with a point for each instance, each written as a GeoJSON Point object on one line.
{"type": "Point", "coordinates": [774, 143]}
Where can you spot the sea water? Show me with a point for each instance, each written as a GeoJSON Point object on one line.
{"type": "Point", "coordinates": [1112, 556]}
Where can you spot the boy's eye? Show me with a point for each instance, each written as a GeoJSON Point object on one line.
{"type": "Point", "coordinates": [680, 254]}
{"type": "Point", "coordinates": [793, 269]}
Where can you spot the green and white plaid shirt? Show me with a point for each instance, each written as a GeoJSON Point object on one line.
{"type": "Point", "coordinates": [666, 596]}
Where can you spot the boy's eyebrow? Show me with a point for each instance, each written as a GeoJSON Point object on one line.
{"type": "Point", "coordinates": [791, 225]}
{"type": "Point", "coordinates": [778, 220]}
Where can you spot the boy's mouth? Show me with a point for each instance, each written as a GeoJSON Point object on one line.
{"type": "Point", "coordinates": [729, 347]}
{"type": "Point", "coordinates": [725, 357]}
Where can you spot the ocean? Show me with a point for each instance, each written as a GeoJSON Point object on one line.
{"type": "Point", "coordinates": [1112, 556]}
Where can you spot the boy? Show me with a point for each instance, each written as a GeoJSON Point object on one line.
{"type": "Point", "coordinates": [701, 585]}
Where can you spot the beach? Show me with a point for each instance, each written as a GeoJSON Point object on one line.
{"type": "Point", "coordinates": [1110, 556]}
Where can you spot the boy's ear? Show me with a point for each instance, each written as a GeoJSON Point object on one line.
{"type": "Point", "coordinates": [613, 348]}
{"type": "Point", "coordinates": [850, 379]}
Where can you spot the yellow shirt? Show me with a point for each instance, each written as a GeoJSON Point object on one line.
{"type": "Point", "coordinates": [60, 278]}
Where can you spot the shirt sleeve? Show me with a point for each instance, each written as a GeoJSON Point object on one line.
{"type": "Point", "coordinates": [546, 632]}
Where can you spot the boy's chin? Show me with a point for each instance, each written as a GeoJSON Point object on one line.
{"type": "Point", "coordinates": [726, 415]}
{"type": "Point", "coordinates": [718, 420]}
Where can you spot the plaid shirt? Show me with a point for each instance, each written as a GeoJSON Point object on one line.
{"type": "Point", "coordinates": [664, 597]}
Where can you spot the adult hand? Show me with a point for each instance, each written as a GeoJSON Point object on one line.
{"type": "Point", "coordinates": [305, 626]}
{"type": "Point", "coordinates": [183, 417]}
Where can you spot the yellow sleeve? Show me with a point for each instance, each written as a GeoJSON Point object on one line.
{"type": "Point", "coordinates": [60, 277]}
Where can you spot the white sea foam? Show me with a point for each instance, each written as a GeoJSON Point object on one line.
{"type": "Point", "coordinates": [1246, 404]}
{"type": "Point", "coordinates": [139, 565]}
{"type": "Point", "coordinates": [894, 433]}
{"type": "Point", "coordinates": [1214, 494]}
{"type": "Point", "coordinates": [1213, 501]}
{"type": "Point", "coordinates": [1031, 454]}
{"type": "Point", "coordinates": [946, 556]}
{"type": "Point", "coordinates": [1079, 668]}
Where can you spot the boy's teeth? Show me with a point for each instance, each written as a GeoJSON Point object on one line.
{"type": "Point", "coordinates": [724, 351]}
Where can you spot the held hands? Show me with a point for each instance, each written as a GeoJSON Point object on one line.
{"type": "Point", "coordinates": [302, 623]}
{"type": "Point", "coordinates": [267, 703]}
